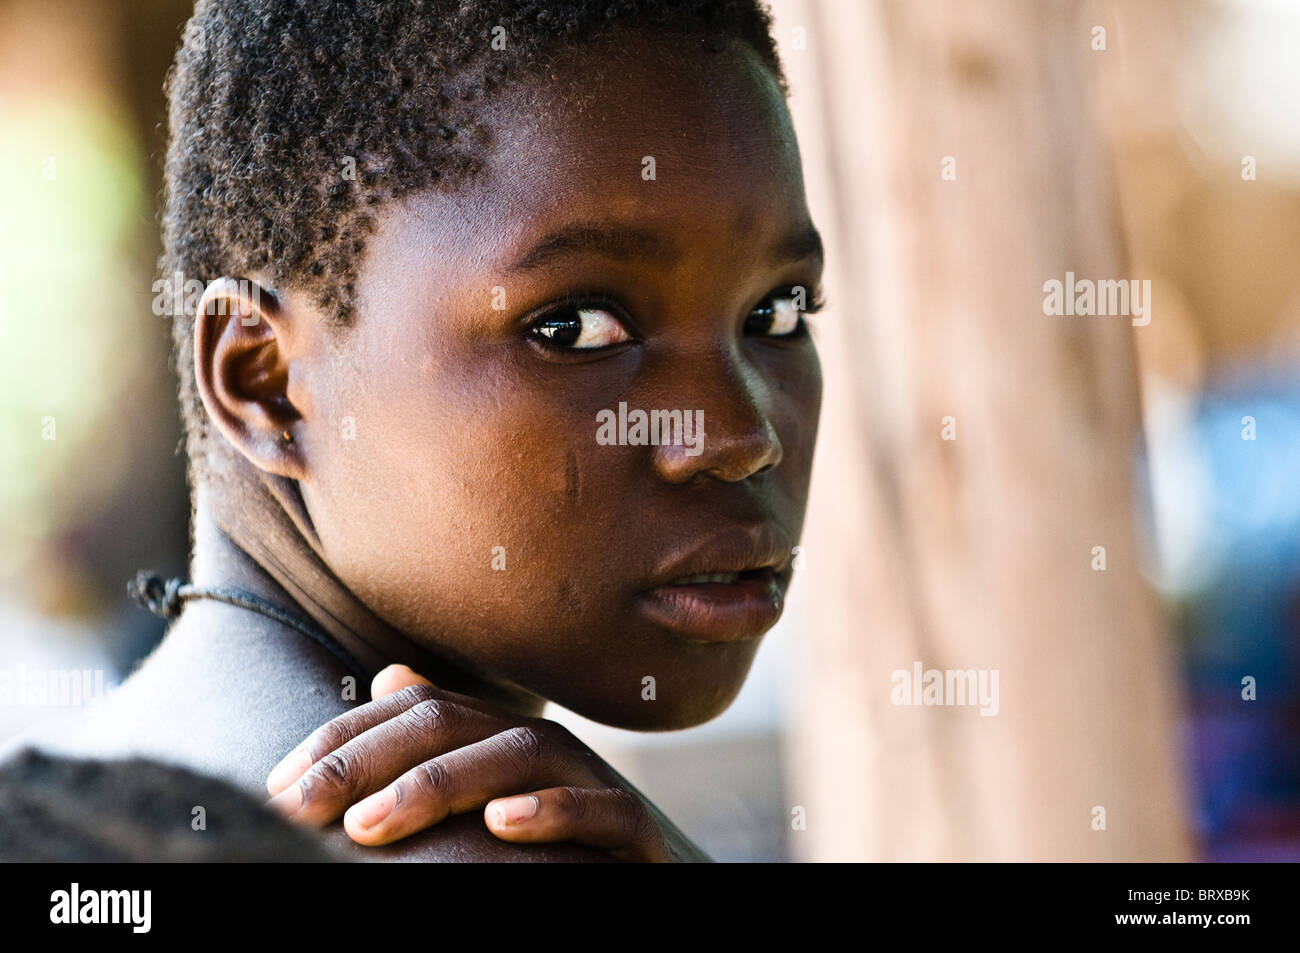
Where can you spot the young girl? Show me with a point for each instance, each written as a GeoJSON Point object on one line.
{"type": "Point", "coordinates": [444, 245]}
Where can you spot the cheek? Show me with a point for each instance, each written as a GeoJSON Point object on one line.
{"type": "Point", "coordinates": [467, 495]}
{"type": "Point", "coordinates": [796, 397]}
{"type": "Point", "coordinates": [808, 401]}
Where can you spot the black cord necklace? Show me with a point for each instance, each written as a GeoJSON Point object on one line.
{"type": "Point", "coordinates": [167, 600]}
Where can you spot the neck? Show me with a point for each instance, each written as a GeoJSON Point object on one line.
{"type": "Point", "coordinates": [265, 544]}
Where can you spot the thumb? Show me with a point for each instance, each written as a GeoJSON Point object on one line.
{"type": "Point", "coordinates": [394, 678]}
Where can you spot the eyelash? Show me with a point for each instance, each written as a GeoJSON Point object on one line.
{"type": "Point", "coordinates": [568, 304]}
{"type": "Point", "coordinates": [586, 301]}
{"type": "Point", "coordinates": [801, 328]}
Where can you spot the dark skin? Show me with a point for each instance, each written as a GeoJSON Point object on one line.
{"type": "Point", "coordinates": [475, 428]}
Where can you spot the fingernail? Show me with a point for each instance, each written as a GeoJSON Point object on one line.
{"type": "Point", "coordinates": [374, 809]}
{"type": "Point", "coordinates": [514, 810]}
{"type": "Point", "coordinates": [288, 801]}
{"type": "Point", "coordinates": [288, 771]}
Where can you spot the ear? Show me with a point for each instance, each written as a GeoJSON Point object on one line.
{"type": "Point", "coordinates": [241, 367]}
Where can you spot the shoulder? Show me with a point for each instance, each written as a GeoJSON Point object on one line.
{"type": "Point", "coordinates": [224, 700]}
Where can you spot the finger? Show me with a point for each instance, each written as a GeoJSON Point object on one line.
{"type": "Point", "coordinates": [612, 819]}
{"type": "Point", "coordinates": [339, 731]}
{"type": "Point", "coordinates": [518, 759]}
{"type": "Point", "coordinates": [380, 755]}
{"type": "Point", "coordinates": [393, 678]}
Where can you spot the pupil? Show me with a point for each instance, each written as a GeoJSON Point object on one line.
{"type": "Point", "coordinates": [761, 318]}
{"type": "Point", "coordinates": [563, 331]}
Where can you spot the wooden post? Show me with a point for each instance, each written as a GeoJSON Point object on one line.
{"type": "Point", "coordinates": [954, 169]}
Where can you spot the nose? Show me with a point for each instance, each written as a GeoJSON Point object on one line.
{"type": "Point", "coordinates": [738, 438]}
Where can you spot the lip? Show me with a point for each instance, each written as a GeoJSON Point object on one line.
{"type": "Point", "coordinates": [723, 611]}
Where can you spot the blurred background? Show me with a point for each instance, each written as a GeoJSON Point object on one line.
{"type": "Point", "coordinates": [958, 155]}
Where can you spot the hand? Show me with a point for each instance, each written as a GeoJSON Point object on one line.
{"type": "Point", "coordinates": [417, 754]}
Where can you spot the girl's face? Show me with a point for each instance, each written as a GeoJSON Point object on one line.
{"type": "Point", "coordinates": [634, 240]}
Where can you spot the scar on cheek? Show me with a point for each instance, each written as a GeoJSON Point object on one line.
{"type": "Point", "coordinates": [566, 592]}
{"type": "Point", "coordinates": [572, 479]}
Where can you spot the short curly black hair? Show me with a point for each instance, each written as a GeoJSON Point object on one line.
{"type": "Point", "coordinates": [55, 809]}
{"type": "Point", "coordinates": [292, 120]}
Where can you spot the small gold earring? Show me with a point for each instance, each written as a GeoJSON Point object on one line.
{"type": "Point", "coordinates": [288, 437]}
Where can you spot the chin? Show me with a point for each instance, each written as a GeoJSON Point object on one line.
{"type": "Point", "coordinates": [663, 713]}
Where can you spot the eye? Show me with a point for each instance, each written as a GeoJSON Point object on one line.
{"type": "Point", "coordinates": [779, 315]}
{"type": "Point", "coordinates": [775, 317]}
{"type": "Point", "coordinates": [578, 328]}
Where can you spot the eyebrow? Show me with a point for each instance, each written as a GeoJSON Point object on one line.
{"type": "Point", "coordinates": [620, 244]}
{"type": "Point", "coordinates": [630, 243]}
{"type": "Point", "coordinates": [806, 242]}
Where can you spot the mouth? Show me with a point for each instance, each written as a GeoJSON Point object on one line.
{"type": "Point", "coordinates": [730, 589]}
{"type": "Point", "coordinates": [727, 578]}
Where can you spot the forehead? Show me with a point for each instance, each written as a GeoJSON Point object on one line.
{"type": "Point", "coordinates": [593, 119]}
{"type": "Point", "coordinates": [631, 131]}
{"type": "Point", "coordinates": [581, 132]}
